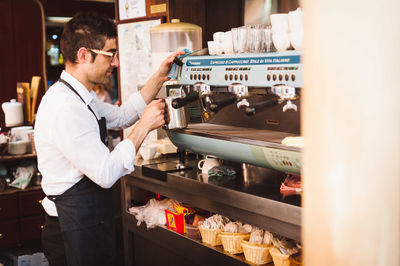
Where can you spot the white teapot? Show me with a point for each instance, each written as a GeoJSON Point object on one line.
{"type": "Point", "coordinates": [13, 112]}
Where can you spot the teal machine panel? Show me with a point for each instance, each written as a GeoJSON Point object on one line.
{"type": "Point", "coordinates": [284, 159]}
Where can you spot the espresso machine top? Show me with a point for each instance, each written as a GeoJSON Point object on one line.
{"type": "Point", "coordinates": [253, 70]}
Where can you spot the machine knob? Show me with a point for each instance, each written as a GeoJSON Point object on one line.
{"type": "Point", "coordinates": [293, 76]}
{"type": "Point", "coordinates": [287, 76]}
{"type": "Point", "coordinates": [274, 76]}
{"type": "Point", "coordinates": [268, 76]}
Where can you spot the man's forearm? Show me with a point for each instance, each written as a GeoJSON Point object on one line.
{"type": "Point", "coordinates": [152, 86]}
{"type": "Point", "coordinates": [138, 134]}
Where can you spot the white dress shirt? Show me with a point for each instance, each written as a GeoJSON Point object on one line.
{"type": "Point", "coordinates": [67, 139]}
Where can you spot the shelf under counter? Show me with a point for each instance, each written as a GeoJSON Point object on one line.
{"type": "Point", "coordinates": [188, 249]}
{"type": "Point", "coordinates": [257, 202]}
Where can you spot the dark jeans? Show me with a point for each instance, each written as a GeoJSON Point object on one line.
{"type": "Point", "coordinates": [53, 243]}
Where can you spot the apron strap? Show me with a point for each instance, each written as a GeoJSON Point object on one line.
{"type": "Point", "coordinates": [101, 122]}
{"type": "Point", "coordinates": [71, 88]}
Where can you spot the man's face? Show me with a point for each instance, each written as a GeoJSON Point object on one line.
{"type": "Point", "coordinates": [102, 66]}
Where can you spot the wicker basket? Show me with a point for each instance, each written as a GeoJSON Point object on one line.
{"type": "Point", "coordinates": [256, 253]}
{"type": "Point", "coordinates": [231, 241]}
{"type": "Point", "coordinates": [280, 259]}
{"type": "Point", "coordinates": [210, 236]}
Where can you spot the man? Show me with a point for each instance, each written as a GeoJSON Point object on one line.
{"type": "Point", "coordinates": [70, 137]}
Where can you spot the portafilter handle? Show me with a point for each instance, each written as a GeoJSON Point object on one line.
{"type": "Point", "coordinates": [217, 105]}
{"type": "Point", "coordinates": [179, 102]}
{"type": "Point", "coordinates": [252, 109]}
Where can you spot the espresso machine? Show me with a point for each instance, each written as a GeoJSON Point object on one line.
{"type": "Point", "coordinates": [237, 108]}
{"type": "Point", "coordinates": [242, 106]}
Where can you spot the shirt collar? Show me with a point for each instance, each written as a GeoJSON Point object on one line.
{"type": "Point", "coordinates": [80, 89]}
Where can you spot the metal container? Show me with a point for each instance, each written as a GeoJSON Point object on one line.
{"type": "Point", "coordinates": [168, 38]}
{"type": "Point", "coordinates": [175, 118]}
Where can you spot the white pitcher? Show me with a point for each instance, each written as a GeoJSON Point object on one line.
{"type": "Point", "coordinates": [13, 112]}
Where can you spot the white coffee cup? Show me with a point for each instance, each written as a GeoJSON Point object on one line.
{"type": "Point", "coordinates": [218, 37]}
{"type": "Point", "coordinates": [148, 151]}
{"type": "Point", "coordinates": [227, 44]}
{"type": "Point", "coordinates": [213, 48]}
{"type": "Point", "coordinates": [279, 22]}
{"type": "Point", "coordinates": [21, 133]}
{"type": "Point", "coordinates": [296, 39]}
{"type": "Point", "coordinates": [207, 163]}
{"type": "Point", "coordinates": [281, 41]}
{"type": "Point", "coordinates": [295, 20]}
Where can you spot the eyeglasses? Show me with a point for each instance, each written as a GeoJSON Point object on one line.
{"type": "Point", "coordinates": [113, 55]}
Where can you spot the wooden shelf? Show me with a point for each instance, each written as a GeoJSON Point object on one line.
{"type": "Point", "coordinates": [12, 190]}
{"type": "Point", "coordinates": [5, 158]}
{"type": "Point", "coordinates": [185, 245]}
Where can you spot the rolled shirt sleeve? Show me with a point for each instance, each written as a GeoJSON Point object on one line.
{"type": "Point", "coordinates": [122, 116]}
{"type": "Point", "coordinates": [83, 149]}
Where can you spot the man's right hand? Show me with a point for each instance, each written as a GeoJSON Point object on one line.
{"type": "Point", "coordinates": [153, 115]}
{"type": "Point", "coordinates": [152, 118]}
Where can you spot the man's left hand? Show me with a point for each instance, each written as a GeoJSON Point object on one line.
{"type": "Point", "coordinates": [166, 65]}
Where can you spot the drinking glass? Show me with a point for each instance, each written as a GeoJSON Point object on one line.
{"type": "Point", "coordinates": [239, 39]}
{"type": "Point", "coordinates": [255, 39]}
{"type": "Point", "coordinates": [267, 39]}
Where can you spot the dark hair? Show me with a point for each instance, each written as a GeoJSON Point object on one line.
{"type": "Point", "coordinates": [86, 29]}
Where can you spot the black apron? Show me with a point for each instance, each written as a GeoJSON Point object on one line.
{"type": "Point", "coordinates": [86, 217]}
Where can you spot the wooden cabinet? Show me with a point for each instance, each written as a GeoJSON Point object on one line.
{"type": "Point", "coordinates": [8, 207]}
{"type": "Point", "coordinates": [21, 216]}
{"type": "Point", "coordinates": [9, 234]}
{"type": "Point", "coordinates": [21, 211]}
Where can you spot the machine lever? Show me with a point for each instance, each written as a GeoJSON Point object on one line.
{"type": "Point", "coordinates": [217, 105]}
{"type": "Point", "coordinates": [251, 110]}
{"type": "Point", "coordinates": [179, 102]}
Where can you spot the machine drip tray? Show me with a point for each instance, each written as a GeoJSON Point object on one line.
{"type": "Point", "coordinates": [159, 171]}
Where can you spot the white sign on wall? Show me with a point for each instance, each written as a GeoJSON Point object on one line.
{"type": "Point", "coordinates": [131, 9]}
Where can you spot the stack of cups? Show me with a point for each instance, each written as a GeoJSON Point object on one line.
{"type": "Point", "coordinates": [222, 43]}
{"type": "Point", "coordinates": [280, 31]}
{"type": "Point", "coordinates": [295, 19]}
